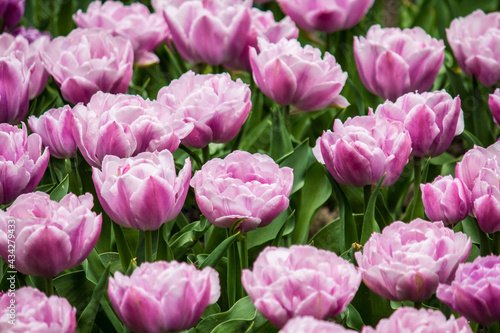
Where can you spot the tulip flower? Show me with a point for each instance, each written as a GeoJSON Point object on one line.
{"type": "Point", "coordinates": [54, 127]}
{"type": "Point", "coordinates": [475, 291]}
{"type": "Point", "coordinates": [14, 90]}
{"type": "Point", "coordinates": [216, 105]}
{"type": "Point", "coordinates": [87, 61]}
{"type": "Point", "coordinates": [35, 312]}
{"type": "Point", "coordinates": [163, 296]}
{"type": "Point", "coordinates": [494, 104]}
{"type": "Point", "coordinates": [407, 261]}
{"type": "Point", "coordinates": [31, 34]}
{"type": "Point", "coordinates": [300, 281]}
{"type": "Point", "coordinates": [474, 40]}
{"type": "Point", "coordinates": [251, 189]}
{"type": "Point", "coordinates": [22, 162]}
{"type": "Point", "coordinates": [363, 149]}
{"type": "Point", "coordinates": [124, 21]}
{"type": "Point", "coordinates": [50, 236]}
{"type": "Point", "coordinates": [392, 62]}
{"type": "Point", "coordinates": [124, 126]}
{"type": "Point", "coordinates": [310, 324]}
{"type": "Point", "coordinates": [293, 75]}
{"type": "Point", "coordinates": [445, 199]}
{"type": "Point", "coordinates": [326, 16]}
{"type": "Point", "coordinates": [142, 192]}
{"type": "Point", "coordinates": [211, 32]}
{"type": "Point", "coordinates": [11, 12]}
{"type": "Point", "coordinates": [407, 319]}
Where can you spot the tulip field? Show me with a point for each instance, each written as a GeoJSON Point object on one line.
{"type": "Point", "coordinates": [220, 166]}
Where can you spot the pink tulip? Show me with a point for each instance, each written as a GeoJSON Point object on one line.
{"type": "Point", "coordinates": [31, 51]}
{"type": "Point", "coordinates": [445, 199]}
{"type": "Point", "coordinates": [300, 281]}
{"type": "Point", "coordinates": [87, 61]}
{"type": "Point", "coordinates": [163, 296]}
{"type": "Point", "coordinates": [326, 15]}
{"type": "Point", "coordinates": [264, 26]}
{"type": "Point", "coordinates": [216, 105]}
{"type": "Point", "coordinates": [54, 127]}
{"type": "Point", "coordinates": [124, 126]}
{"type": "Point", "coordinates": [475, 291]}
{"type": "Point", "coordinates": [207, 31]}
{"type": "Point", "coordinates": [392, 62]}
{"type": "Point", "coordinates": [31, 34]}
{"type": "Point", "coordinates": [407, 319]}
{"type": "Point", "coordinates": [50, 236]}
{"type": "Point", "coordinates": [35, 312]}
{"type": "Point", "coordinates": [251, 189]}
{"type": "Point", "coordinates": [22, 163]}
{"type": "Point", "coordinates": [474, 40]}
{"type": "Point", "coordinates": [407, 261]}
{"type": "Point", "coordinates": [479, 171]}
{"type": "Point", "coordinates": [363, 149]}
{"type": "Point", "coordinates": [142, 192]}
{"type": "Point", "coordinates": [294, 75]}
{"type": "Point", "coordinates": [14, 88]}
{"type": "Point", "coordinates": [431, 118]}
{"type": "Point", "coordinates": [310, 324]}
{"type": "Point", "coordinates": [11, 12]}
{"type": "Point", "coordinates": [125, 21]}
{"type": "Point", "coordinates": [494, 104]}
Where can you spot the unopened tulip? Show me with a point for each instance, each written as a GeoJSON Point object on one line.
{"type": "Point", "coordinates": [163, 296]}
{"type": "Point", "coordinates": [125, 21]}
{"type": "Point", "coordinates": [22, 162]}
{"type": "Point", "coordinates": [14, 90]}
{"type": "Point", "coordinates": [474, 40]}
{"type": "Point", "coordinates": [142, 192]}
{"type": "Point", "coordinates": [211, 32]}
{"type": "Point", "coordinates": [445, 199]}
{"type": "Point", "coordinates": [87, 61]}
{"type": "Point", "coordinates": [300, 281]}
{"type": "Point", "coordinates": [475, 291]}
{"type": "Point", "coordinates": [251, 189]}
{"type": "Point", "coordinates": [432, 119]}
{"type": "Point", "coordinates": [494, 104]}
{"type": "Point", "coordinates": [50, 236]}
{"type": "Point", "coordinates": [310, 324]}
{"type": "Point", "coordinates": [392, 62]}
{"type": "Point", "coordinates": [31, 51]}
{"type": "Point", "coordinates": [406, 319]}
{"type": "Point", "coordinates": [216, 105]}
{"type": "Point", "coordinates": [326, 16]}
{"type": "Point", "coordinates": [35, 312]}
{"type": "Point", "coordinates": [11, 12]}
{"type": "Point", "coordinates": [54, 127]}
{"type": "Point", "coordinates": [125, 125]}
{"type": "Point", "coordinates": [264, 26]}
{"type": "Point", "coordinates": [293, 75]}
{"type": "Point", "coordinates": [363, 149]}
{"type": "Point", "coordinates": [407, 261]}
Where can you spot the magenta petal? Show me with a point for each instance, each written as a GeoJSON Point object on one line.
{"type": "Point", "coordinates": [281, 82]}
{"type": "Point", "coordinates": [78, 89]}
{"type": "Point", "coordinates": [392, 75]}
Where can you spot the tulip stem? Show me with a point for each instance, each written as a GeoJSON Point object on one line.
{"type": "Point", "coordinates": [234, 287]}
{"type": "Point", "coordinates": [496, 243]}
{"type": "Point", "coordinates": [49, 287]}
{"type": "Point", "coordinates": [243, 248]}
{"type": "Point", "coordinates": [418, 305]}
{"type": "Point", "coordinates": [148, 246]}
{"type": "Point", "coordinates": [484, 243]}
{"type": "Point", "coordinates": [206, 154]}
{"type": "Point", "coordinates": [367, 192]}
{"type": "Point", "coordinates": [417, 196]}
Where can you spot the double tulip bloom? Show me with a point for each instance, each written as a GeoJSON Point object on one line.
{"type": "Point", "coordinates": [300, 281]}
{"type": "Point", "coordinates": [363, 149]}
{"type": "Point", "coordinates": [11, 12]}
{"type": "Point", "coordinates": [50, 236]}
{"type": "Point", "coordinates": [163, 296]}
{"type": "Point", "coordinates": [290, 74]}
{"type": "Point", "coordinates": [216, 105]}
{"type": "Point", "coordinates": [87, 61]}
{"type": "Point", "coordinates": [392, 62]}
{"type": "Point", "coordinates": [432, 119]}
{"type": "Point", "coordinates": [35, 312]}
{"type": "Point", "coordinates": [407, 261]}
{"type": "Point", "coordinates": [14, 92]}
{"type": "Point", "coordinates": [210, 32]}
{"type": "Point", "coordinates": [142, 192]}
{"type": "Point", "coordinates": [474, 40]}
{"type": "Point", "coordinates": [326, 16]}
{"type": "Point", "coordinates": [125, 21]}
{"type": "Point", "coordinates": [243, 187]}
{"type": "Point", "coordinates": [308, 324]}
{"type": "Point", "coordinates": [22, 162]}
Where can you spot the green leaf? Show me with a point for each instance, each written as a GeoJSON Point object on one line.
{"type": "Point", "coordinates": [281, 143]}
{"type": "Point", "coordinates": [75, 288]}
{"type": "Point", "coordinates": [269, 232]}
{"type": "Point", "coordinates": [164, 252]}
{"type": "Point", "coordinates": [353, 319]}
{"type": "Point", "coordinates": [370, 224]}
{"type": "Point", "coordinates": [86, 320]}
{"type": "Point", "coordinates": [331, 237]}
{"type": "Point", "coordinates": [187, 237]}
{"type": "Point", "coordinates": [300, 160]}
{"type": "Point", "coordinates": [61, 190]}
{"type": "Point", "coordinates": [217, 254]}
{"type": "Point", "coordinates": [122, 246]}
{"type": "Point", "coordinates": [93, 266]}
